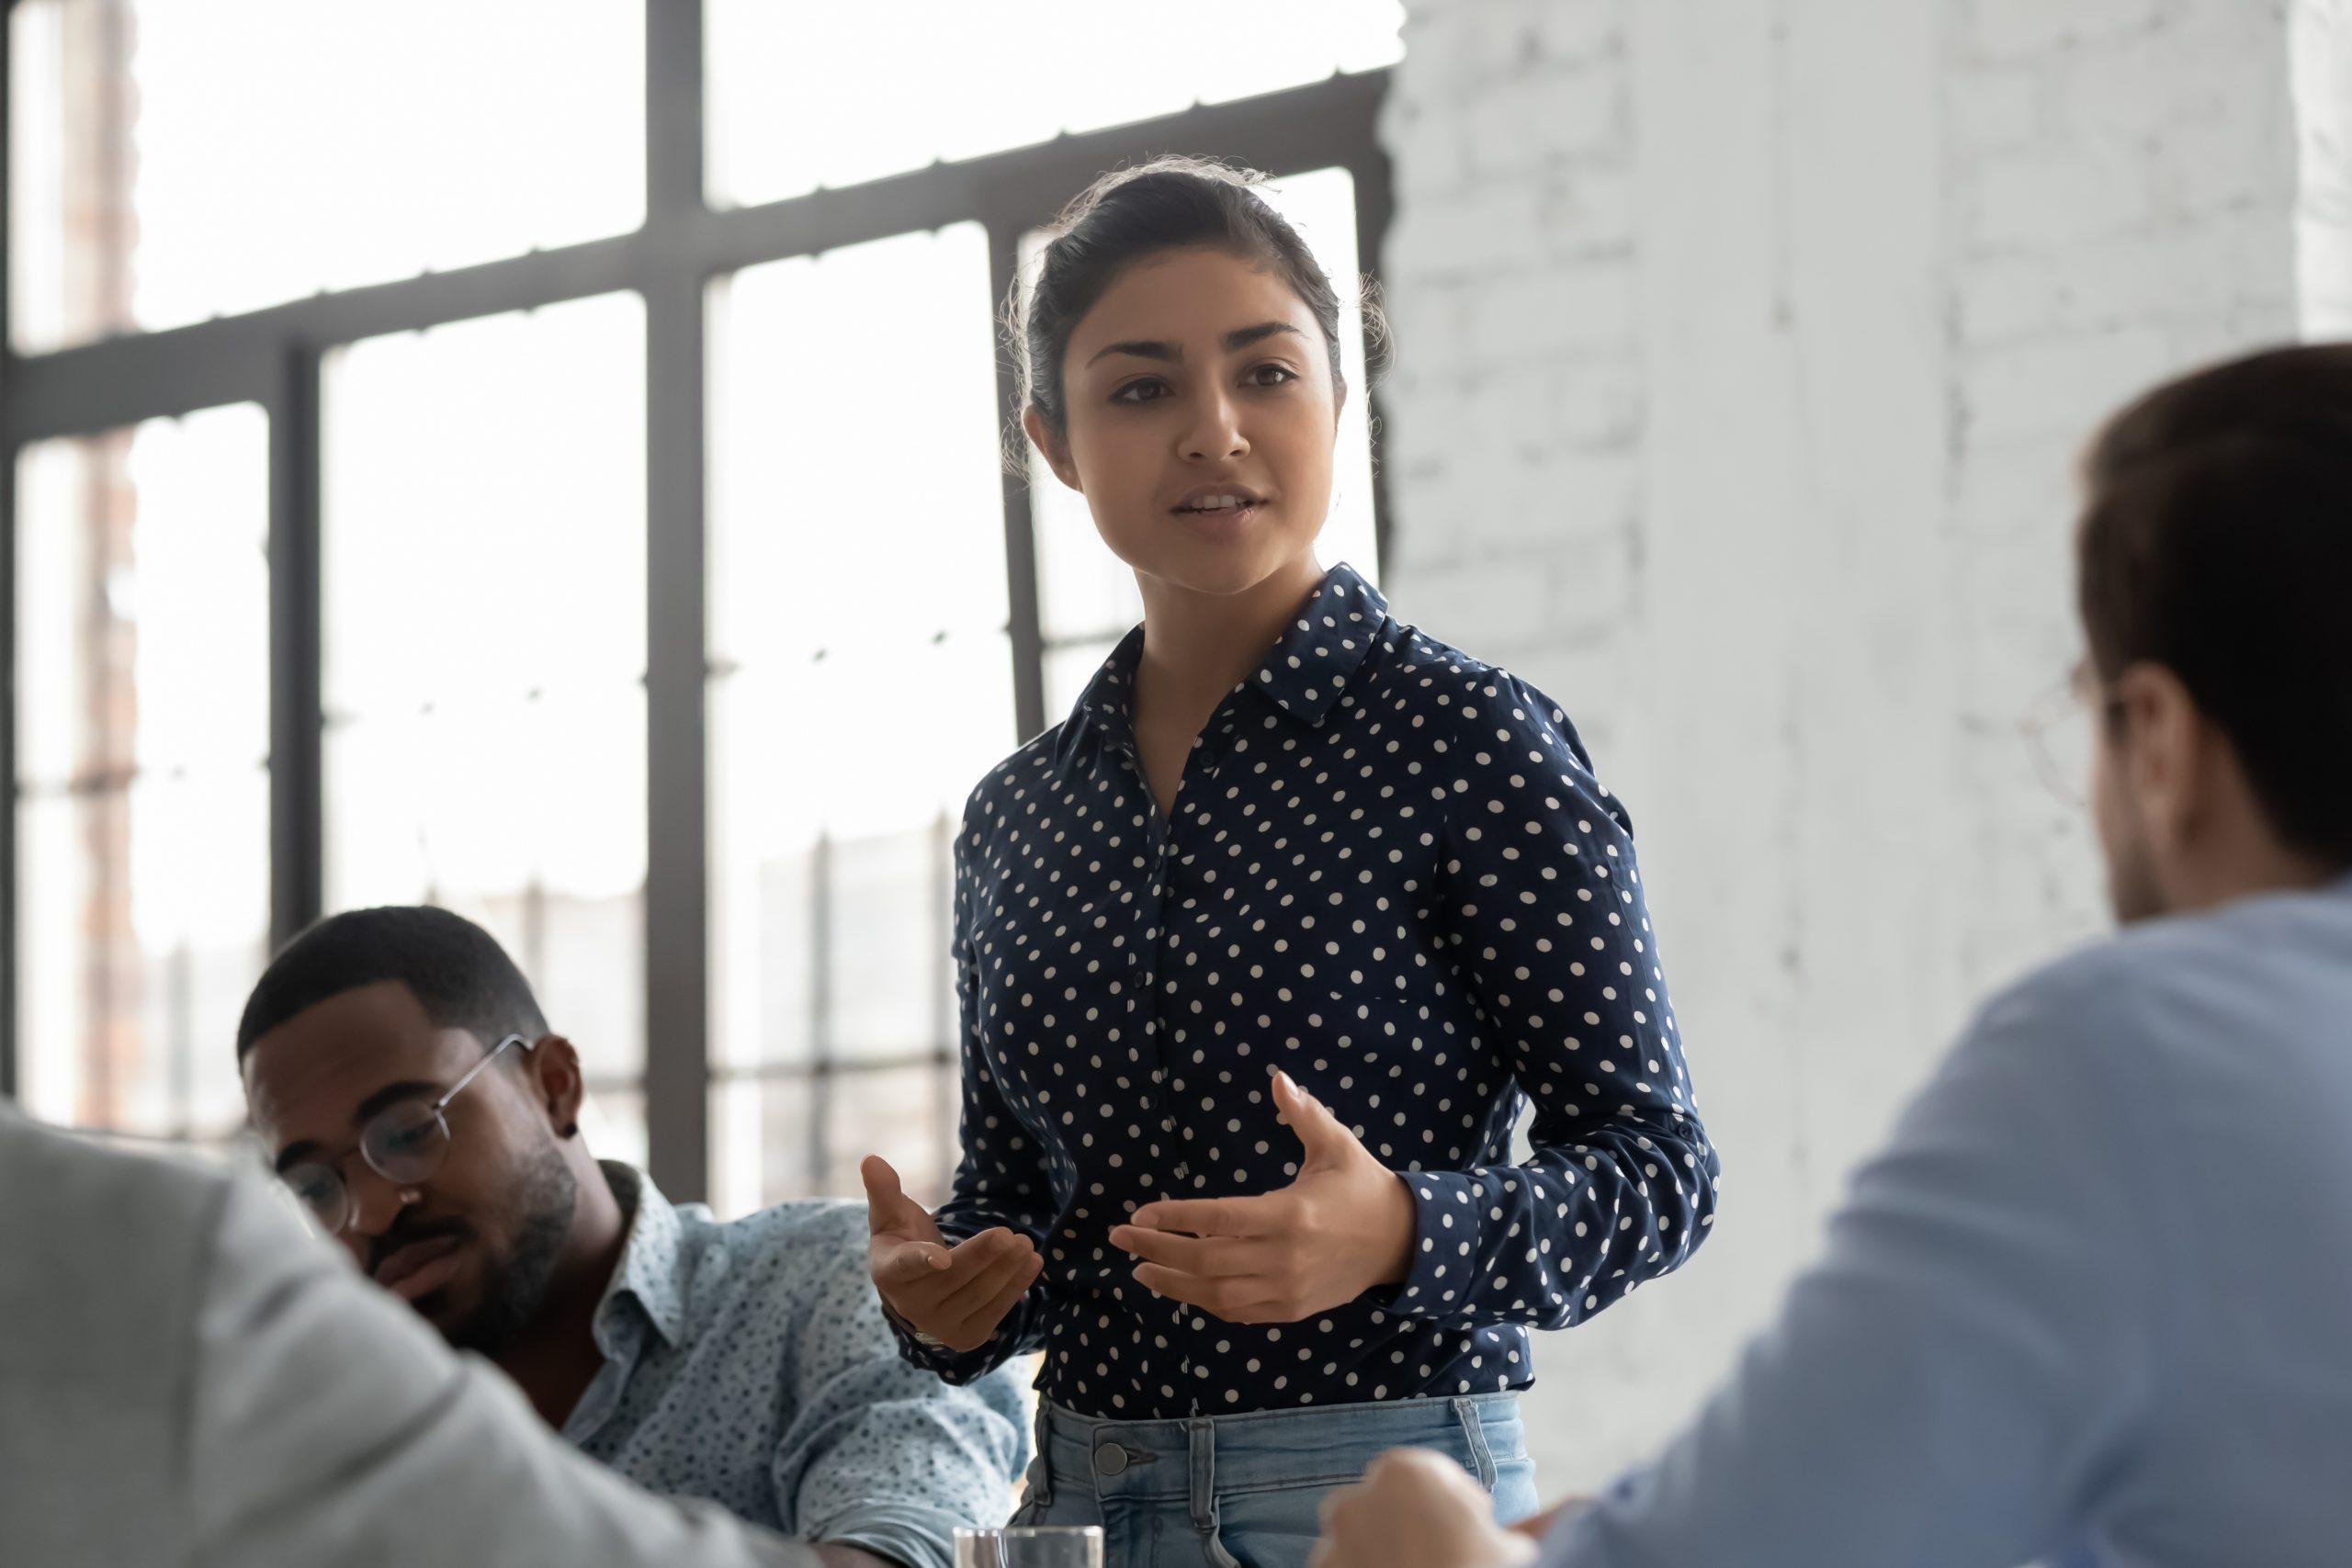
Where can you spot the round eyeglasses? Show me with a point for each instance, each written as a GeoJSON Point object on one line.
{"type": "Point", "coordinates": [405, 1143]}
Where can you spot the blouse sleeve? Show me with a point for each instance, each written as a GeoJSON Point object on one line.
{"type": "Point", "coordinates": [1537, 897]}
{"type": "Point", "coordinates": [1001, 1179]}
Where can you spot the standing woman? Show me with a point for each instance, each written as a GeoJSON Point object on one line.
{"type": "Point", "coordinates": [1259, 951]}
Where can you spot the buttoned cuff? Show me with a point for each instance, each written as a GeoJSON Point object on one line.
{"type": "Point", "coordinates": [1447, 1227]}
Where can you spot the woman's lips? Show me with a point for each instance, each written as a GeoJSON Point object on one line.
{"type": "Point", "coordinates": [1223, 522]}
{"type": "Point", "coordinates": [419, 1268]}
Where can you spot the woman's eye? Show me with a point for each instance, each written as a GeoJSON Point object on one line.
{"type": "Point", "coordinates": [1272, 375]}
{"type": "Point", "coordinates": [1140, 393]}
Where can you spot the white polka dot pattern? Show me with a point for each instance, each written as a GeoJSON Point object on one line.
{"type": "Point", "coordinates": [1390, 871]}
{"type": "Point", "coordinates": [748, 1364]}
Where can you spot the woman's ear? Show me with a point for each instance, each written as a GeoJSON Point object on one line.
{"type": "Point", "coordinates": [1051, 445]}
{"type": "Point", "coordinates": [554, 1070]}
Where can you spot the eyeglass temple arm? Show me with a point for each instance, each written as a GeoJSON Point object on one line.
{"type": "Point", "coordinates": [475, 1071]}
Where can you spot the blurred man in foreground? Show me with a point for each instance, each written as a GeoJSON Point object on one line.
{"type": "Point", "coordinates": [185, 1378]}
{"type": "Point", "coordinates": [2091, 1305]}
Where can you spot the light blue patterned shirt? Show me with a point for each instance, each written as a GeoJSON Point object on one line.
{"type": "Point", "coordinates": [748, 1363]}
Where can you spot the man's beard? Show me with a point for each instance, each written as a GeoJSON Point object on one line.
{"type": "Point", "coordinates": [518, 1289]}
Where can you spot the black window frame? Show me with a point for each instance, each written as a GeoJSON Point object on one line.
{"type": "Point", "coordinates": [273, 358]}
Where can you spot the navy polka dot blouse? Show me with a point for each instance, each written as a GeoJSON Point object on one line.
{"type": "Point", "coordinates": [1390, 871]}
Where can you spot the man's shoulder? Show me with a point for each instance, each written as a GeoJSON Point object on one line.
{"type": "Point", "coordinates": [2244, 1000]}
{"type": "Point", "coordinates": [53, 1177]}
{"type": "Point", "coordinates": [810, 1240]}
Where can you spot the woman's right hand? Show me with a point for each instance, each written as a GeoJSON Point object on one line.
{"type": "Point", "coordinates": [955, 1294]}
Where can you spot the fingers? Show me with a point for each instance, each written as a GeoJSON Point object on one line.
{"type": "Point", "coordinates": [986, 1272]}
{"type": "Point", "coordinates": [1213, 1216]}
{"type": "Point", "coordinates": [1234, 1300]}
{"type": "Point", "coordinates": [909, 1262]}
{"type": "Point", "coordinates": [888, 1207]}
{"type": "Point", "coordinates": [939, 1290]}
{"type": "Point", "coordinates": [974, 1327]}
{"type": "Point", "coordinates": [1320, 1133]}
{"type": "Point", "coordinates": [1216, 1257]}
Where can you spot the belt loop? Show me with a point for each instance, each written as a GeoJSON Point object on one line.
{"type": "Point", "coordinates": [1041, 1469]}
{"type": "Point", "coordinates": [1203, 1433]}
{"type": "Point", "coordinates": [1474, 1431]}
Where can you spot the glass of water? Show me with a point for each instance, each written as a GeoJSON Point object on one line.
{"type": "Point", "coordinates": [1037, 1546]}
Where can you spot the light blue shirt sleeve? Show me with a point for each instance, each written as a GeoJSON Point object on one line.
{"type": "Point", "coordinates": [1952, 1385]}
{"type": "Point", "coordinates": [880, 1454]}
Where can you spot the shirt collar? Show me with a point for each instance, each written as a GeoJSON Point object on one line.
{"type": "Point", "coordinates": [1325, 644]}
{"type": "Point", "coordinates": [649, 1272]}
{"type": "Point", "coordinates": [1320, 652]}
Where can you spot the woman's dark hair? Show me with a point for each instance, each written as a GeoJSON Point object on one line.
{"type": "Point", "coordinates": [1131, 214]}
{"type": "Point", "coordinates": [2216, 540]}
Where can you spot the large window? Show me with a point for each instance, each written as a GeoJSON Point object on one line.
{"type": "Point", "coordinates": [630, 565]}
{"type": "Point", "coordinates": [142, 790]}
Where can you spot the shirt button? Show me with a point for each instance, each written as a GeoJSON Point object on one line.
{"type": "Point", "coordinates": [1110, 1459]}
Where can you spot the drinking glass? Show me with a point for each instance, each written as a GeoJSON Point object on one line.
{"type": "Point", "coordinates": [1036, 1546]}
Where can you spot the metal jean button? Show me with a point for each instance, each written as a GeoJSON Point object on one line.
{"type": "Point", "coordinates": [1110, 1459]}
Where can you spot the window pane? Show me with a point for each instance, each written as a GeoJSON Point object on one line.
{"type": "Point", "coordinates": [890, 975]}
{"type": "Point", "coordinates": [761, 1144]}
{"type": "Point", "coordinates": [483, 554]}
{"type": "Point", "coordinates": [142, 630]}
{"type": "Point", "coordinates": [143, 795]}
{"type": "Point", "coordinates": [829, 871]}
{"type": "Point", "coordinates": [174, 161]}
{"type": "Point", "coordinates": [966, 78]}
{"type": "Point", "coordinates": [859, 612]}
{"type": "Point", "coordinates": [905, 1114]}
{"type": "Point", "coordinates": [797, 1137]}
{"type": "Point", "coordinates": [485, 509]}
{"type": "Point", "coordinates": [1069, 669]}
{"type": "Point", "coordinates": [146, 923]}
{"type": "Point", "coordinates": [827, 372]}
{"type": "Point", "coordinates": [527, 816]}
{"type": "Point", "coordinates": [613, 1123]}
{"type": "Point", "coordinates": [1084, 592]}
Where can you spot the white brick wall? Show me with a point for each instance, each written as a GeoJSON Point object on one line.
{"type": "Point", "coordinates": [1744, 348]}
{"type": "Point", "coordinates": [2323, 43]}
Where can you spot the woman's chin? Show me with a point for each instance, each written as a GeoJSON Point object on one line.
{"type": "Point", "coordinates": [1223, 568]}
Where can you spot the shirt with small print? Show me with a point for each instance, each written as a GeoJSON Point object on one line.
{"type": "Point", "coordinates": [748, 1363]}
{"type": "Point", "coordinates": [1388, 870]}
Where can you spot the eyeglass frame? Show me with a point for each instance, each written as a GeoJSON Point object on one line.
{"type": "Point", "coordinates": [436, 1110]}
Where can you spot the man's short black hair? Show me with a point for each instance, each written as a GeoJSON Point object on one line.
{"type": "Point", "coordinates": [2217, 542]}
{"type": "Point", "coordinates": [453, 966]}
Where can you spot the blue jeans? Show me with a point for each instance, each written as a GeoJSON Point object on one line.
{"type": "Point", "coordinates": [1243, 1490]}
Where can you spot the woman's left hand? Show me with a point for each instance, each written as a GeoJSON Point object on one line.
{"type": "Point", "coordinates": [1346, 1224]}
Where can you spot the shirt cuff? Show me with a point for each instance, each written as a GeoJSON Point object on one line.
{"type": "Point", "coordinates": [1445, 1245]}
{"type": "Point", "coordinates": [911, 1537]}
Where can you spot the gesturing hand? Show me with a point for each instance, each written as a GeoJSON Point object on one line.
{"type": "Point", "coordinates": [955, 1294]}
{"type": "Point", "coordinates": [1346, 1224]}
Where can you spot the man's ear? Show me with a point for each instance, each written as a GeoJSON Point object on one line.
{"type": "Point", "coordinates": [1052, 447]}
{"type": "Point", "coordinates": [556, 1084]}
{"type": "Point", "coordinates": [2166, 753]}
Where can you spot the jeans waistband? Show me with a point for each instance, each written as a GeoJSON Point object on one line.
{"type": "Point", "coordinates": [1177, 1457]}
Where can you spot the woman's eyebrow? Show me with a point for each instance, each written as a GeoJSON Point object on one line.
{"type": "Point", "coordinates": [1242, 337]}
{"type": "Point", "coordinates": [1142, 348]}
